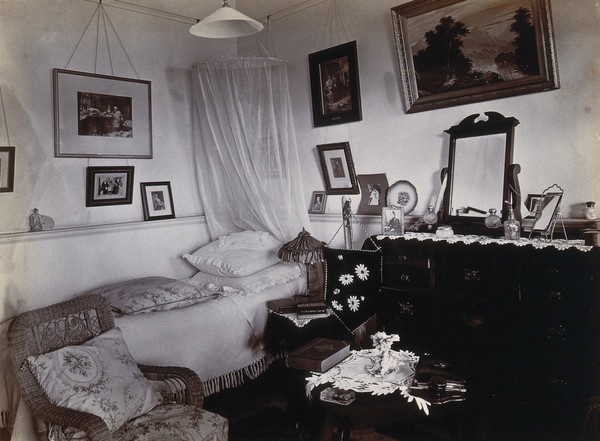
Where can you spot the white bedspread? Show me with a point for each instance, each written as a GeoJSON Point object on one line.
{"type": "Point", "coordinates": [220, 339]}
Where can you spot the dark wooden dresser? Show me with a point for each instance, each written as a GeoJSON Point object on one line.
{"type": "Point", "coordinates": [520, 322]}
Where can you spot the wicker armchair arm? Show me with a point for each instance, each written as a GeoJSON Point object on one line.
{"type": "Point", "coordinates": [193, 390]}
{"type": "Point", "coordinates": [94, 426]}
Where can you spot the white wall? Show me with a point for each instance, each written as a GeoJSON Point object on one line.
{"type": "Point", "coordinates": [557, 140]}
{"type": "Point", "coordinates": [35, 37]}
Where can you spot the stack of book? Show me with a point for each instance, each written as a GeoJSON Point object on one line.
{"type": "Point", "coordinates": [311, 310]}
{"type": "Point", "coordinates": [319, 355]}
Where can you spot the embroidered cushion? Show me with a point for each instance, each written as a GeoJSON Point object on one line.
{"type": "Point", "coordinates": [237, 255]}
{"type": "Point", "coordinates": [154, 294]}
{"type": "Point", "coordinates": [277, 274]}
{"type": "Point", "coordinates": [98, 377]}
{"type": "Point", "coordinates": [352, 284]}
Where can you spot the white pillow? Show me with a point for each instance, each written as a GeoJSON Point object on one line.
{"type": "Point", "coordinates": [98, 377]}
{"type": "Point", "coordinates": [277, 274]}
{"type": "Point", "coordinates": [237, 255]}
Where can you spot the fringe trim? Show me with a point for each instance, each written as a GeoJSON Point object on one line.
{"type": "Point", "coordinates": [238, 377]}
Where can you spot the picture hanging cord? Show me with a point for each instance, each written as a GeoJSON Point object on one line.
{"type": "Point", "coordinates": [4, 116]}
{"type": "Point", "coordinates": [334, 23]}
{"type": "Point", "coordinates": [105, 18]}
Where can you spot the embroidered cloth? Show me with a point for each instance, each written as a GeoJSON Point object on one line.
{"type": "Point", "coordinates": [352, 374]}
{"type": "Point", "coordinates": [560, 244]}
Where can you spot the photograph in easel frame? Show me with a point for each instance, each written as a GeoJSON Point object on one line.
{"type": "Point", "coordinates": [318, 202]}
{"type": "Point", "coordinates": [392, 221]}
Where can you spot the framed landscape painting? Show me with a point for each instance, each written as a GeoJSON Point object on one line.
{"type": "Point", "coordinates": [453, 52]}
{"type": "Point", "coordinates": [101, 116]}
{"type": "Point", "coordinates": [334, 85]}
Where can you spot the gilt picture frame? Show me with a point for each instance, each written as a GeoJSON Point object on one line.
{"type": "Point", "coordinates": [496, 51]}
{"type": "Point", "coordinates": [157, 200]}
{"type": "Point", "coordinates": [335, 85]}
{"type": "Point", "coordinates": [7, 169]}
{"type": "Point", "coordinates": [109, 186]}
{"type": "Point", "coordinates": [101, 116]}
{"type": "Point", "coordinates": [338, 168]}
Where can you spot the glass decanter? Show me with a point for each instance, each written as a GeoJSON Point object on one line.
{"type": "Point", "coordinates": [492, 220]}
{"type": "Point", "coordinates": [430, 217]}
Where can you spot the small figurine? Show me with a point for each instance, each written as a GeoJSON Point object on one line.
{"type": "Point", "coordinates": [40, 222]}
{"type": "Point", "coordinates": [385, 361]}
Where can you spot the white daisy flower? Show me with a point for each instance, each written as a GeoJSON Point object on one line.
{"type": "Point", "coordinates": [346, 279]}
{"type": "Point", "coordinates": [362, 272]}
{"type": "Point", "coordinates": [340, 257]}
{"type": "Point", "coordinates": [353, 303]}
{"type": "Point", "coordinates": [336, 291]}
{"type": "Point", "coordinates": [336, 305]}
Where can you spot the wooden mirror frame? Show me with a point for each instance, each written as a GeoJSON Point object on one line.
{"type": "Point", "coordinates": [470, 127]}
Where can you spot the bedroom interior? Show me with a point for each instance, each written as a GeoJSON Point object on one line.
{"type": "Point", "coordinates": [232, 142]}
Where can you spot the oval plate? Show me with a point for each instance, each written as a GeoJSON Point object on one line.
{"type": "Point", "coordinates": [402, 194]}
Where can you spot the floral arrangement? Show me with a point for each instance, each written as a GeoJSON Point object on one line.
{"type": "Point", "coordinates": [385, 361]}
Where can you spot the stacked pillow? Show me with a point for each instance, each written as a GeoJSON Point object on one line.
{"type": "Point", "coordinates": [246, 260]}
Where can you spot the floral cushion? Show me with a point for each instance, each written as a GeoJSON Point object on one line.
{"type": "Point", "coordinates": [352, 284]}
{"type": "Point", "coordinates": [175, 422]}
{"type": "Point", "coordinates": [154, 294]}
{"type": "Point", "coordinates": [237, 255]}
{"type": "Point", "coordinates": [277, 274]}
{"type": "Point", "coordinates": [98, 377]}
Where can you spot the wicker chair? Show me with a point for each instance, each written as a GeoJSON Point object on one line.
{"type": "Point", "coordinates": [72, 323]}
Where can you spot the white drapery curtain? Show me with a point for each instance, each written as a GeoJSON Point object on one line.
{"type": "Point", "coordinates": [245, 147]}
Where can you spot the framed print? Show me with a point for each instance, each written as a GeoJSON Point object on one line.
{"type": "Point", "coordinates": [157, 200]}
{"type": "Point", "coordinates": [101, 116]}
{"type": "Point", "coordinates": [109, 186]}
{"type": "Point", "coordinates": [453, 52]}
{"type": "Point", "coordinates": [7, 169]}
{"type": "Point", "coordinates": [334, 85]}
{"type": "Point", "coordinates": [317, 202]}
{"type": "Point", "coordinates": [392, 221]}
{"type": "Point", "coordinates": [373, 189]}
{"type": "Point", "coordinates": [338, 168]}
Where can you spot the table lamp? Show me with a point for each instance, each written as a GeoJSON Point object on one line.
{"type": "Point", "coordinates": [303, 249]}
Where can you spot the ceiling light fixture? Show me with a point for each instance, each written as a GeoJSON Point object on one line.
{"type": "Point", "coordinates": [226, 22]}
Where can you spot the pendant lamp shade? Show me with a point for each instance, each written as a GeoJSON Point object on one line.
{"type": "Point", "coordinates": [226, 22]}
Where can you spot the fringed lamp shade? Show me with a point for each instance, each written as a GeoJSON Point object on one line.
{"type": "Point", "coordinates": [303, 249]}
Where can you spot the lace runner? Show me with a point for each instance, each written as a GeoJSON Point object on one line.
{"type": "Point", "coordinates": [560, 244]}
{"type": "Point", "coordinates": [352, 374]}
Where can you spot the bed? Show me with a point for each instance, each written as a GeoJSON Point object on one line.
{"type": "Point", "coordinates": [213, 322]}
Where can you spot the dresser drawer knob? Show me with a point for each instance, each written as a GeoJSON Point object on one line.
{"type": "Point", "coordinates": [406, 308]}
{"type": "Point", "coordinates": [556, 295]}
{"type": "Point", "coordinates": [471, 274]}
{"type": "Point", "coordinates": [405, 277]}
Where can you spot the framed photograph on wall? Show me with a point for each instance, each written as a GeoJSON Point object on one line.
{"type": "Point", "coordinates": [373, 189]}
{"type": "Point", "coordinates": [109, 186]}
{"type": "Point", "coordinates": [317, 202]}
{"type": "Point", "coordinates": [101, 116]}
{"type": "Point", "coordinates": [7, 169]}
{"type": "Point", "coordinates": [334, 84]}
{"type": "Point", "coordinates": [157, 200]}
{"type": "Point", "coordinates": [454, 52]}
{"type": "Point", "coordinates": [338, 168]}
{"type": "Point", "coordinates": [392, 221]}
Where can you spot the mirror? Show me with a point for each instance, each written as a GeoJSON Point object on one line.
{"type": "Point", "coordinates": [480, 173]}
{"type": "Point", "coordinates": [546, 210]}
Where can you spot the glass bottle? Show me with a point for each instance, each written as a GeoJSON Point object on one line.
{"type": "Point", "coordinates": [430, 217]}
{"type": "Point", "coordinates": [492, 220]}
{"type": "Point", "coordinates": [512, 227]}
{"type": "Point", "coordinates": [590, 210]}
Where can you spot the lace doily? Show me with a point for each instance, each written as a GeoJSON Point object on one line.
{"type": "Point", "coordinates": [352, 374]}
{"type": "Point", "coordinates": [559, 244]}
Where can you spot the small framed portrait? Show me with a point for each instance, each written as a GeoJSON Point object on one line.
{"type": "Point", "coordinates": [373, 189]}
{"type": "Point", "coordinates": [7, 169]}
{"type": "Point", "coordinates": [338, 168]}
{"type": "Point", "coordinates": [334, 85]}
{"type": "Point", "coordinates": [109, 186]}
{"type": "Point", "coordinates": [317, 202]}
{"type": "Point", "coordinates": [157, 200]}
{"type": "Point", "coordinates": [392, 221]}
{"type": "Point", "coordinates": [533, 203]}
